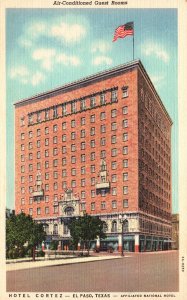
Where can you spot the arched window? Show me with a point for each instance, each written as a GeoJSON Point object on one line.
{"type": "Point", "coordinates": [69, 211]}
{"type": "Point", "coordinates": [125, 226]}
{"type": "Point", "coordinates": [105, 227]}
{"type": "Point", "coordinates": [114, 226]}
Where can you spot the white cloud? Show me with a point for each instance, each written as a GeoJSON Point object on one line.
{"type": "Point", "coordinates": [37, 78]}
{"type": "Point", "coordinates": [102, 60]}
{"type": "Point", "coordinates": [45, 56]}
{"type": "Point", "coordinates": [157, 79]}
{"type": "Point", "coordinates": [20, 71]}
{"type": "Point", "coordinates": [70, 33]}
{"type": "Point", "coordinates": [25, 42]}
{"type": "Point", "coordinates": [37, 29]}
{"type": "Point", "coordinates": [101, 46]}
{"type": "Point", "coordinates": [156, 50]}
{"type": "Point", "coordinates": [68, 60]}
{"type": "Point", "coordinates": [25, 76]}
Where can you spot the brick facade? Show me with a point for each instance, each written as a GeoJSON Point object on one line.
{"type": "Point", "coordinates": [105, 141]}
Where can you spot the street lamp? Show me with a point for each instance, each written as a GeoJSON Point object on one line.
{"type": "Point", "coordinates": [122, 218]}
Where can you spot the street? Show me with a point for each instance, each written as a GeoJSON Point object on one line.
{"type": "Point", "coordinates": [142, 272]}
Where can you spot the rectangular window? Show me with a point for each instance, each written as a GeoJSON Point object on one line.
{"type": "Point", "coordinates": [73, 183]}
{"type": "Point", "coordinates": [114, 96]}
{"type": "Point", "coordinates": [64, 125]}
{"type": "Point", "coordinates": [92, 143]}
{"type": "Point", "coordinates": [103, 154]}
{"type": "Point", "coordinates": [46, 187]}
{"type": "Point", "coordinates": [47, 114]}
{"type": "Point", "coordinates": [46, 176]}
{"type": "Point", "coordinates": [30, 167]}
{"type": "Point", "coordinates": [55, 112]}
{"type": "Point", "coordinates": [93, 193]}
{"type": "Point", "coordinates": [83, 170]}
{"type": "Point", "coordinates": [114, 178]}
{"type": "Point", "coordinates": [125, 190]}
{"type": "Point", "coordinates": [64, 173]}
{"type": "Point", "coordinates": [125, 110]}
{"type": "Point", "coordinates": [30, 145]}
{"type": "Point", "coordinates": [38, 144]}
{"type": "Point", "coordinates": [114, 204]}
{"type": "Point", "coordinates": [102, 99]}
{"type": "Point", "coordinates": [83, 133]}
{"type": "Point", "coordinates": [92, 156]}
{"type": "Point", "coordinates": [30, 156]}
{"type": "Point", "coordinates": [38, 154]}
{"type": "Point", "coordinates": [114, 126]}
{"type": "Point", "coordinates": [125, 137]}
{"type": "Point", "coordinates": [83, 121]}
{"type": "Point", "coordinates": [22, 158]}
{"type": "Point", "coordinates": [38, 166]}
{"type": "Point", "coordinates": [92, 131]}
{"type": "Point", "coordinates": [103, 193]}
{"type": "Point", "coordinates": [73, 124]}
{"type": "Point", "coordinates": [113, 113]}
{"type": "Point", "coordinates": [103, 205]}
{"type": "Point", "coordinates": [46, 210]}
{"type": "Point", "coordinates": [83, 104]}
{"type": "Point", "coordinates": [73, 159]}
{"type": "Point", "coordinates": [63, 137]}
{"type": "Point", "coordinates": [30, 134]}
{"type": "Point", "coordinates": [22, 169]}
{"type": "Point", "coordinates": [55, 174]}
{"type": "Point", "coordinates": [103, 141]}
{"type": "Point", "coordinates": [125, 150]}
{"type": "Point", "coordinates": [73, 172]}
{"type": "Point", "coordinates": [46, 142]}
{"type": "Point", "coordinates": [103, 128]}
{"type": "Point", "coordinates": [55, 140]}
{"type": "Point", "coordinates": [55, 186]}
{"type": "Point", "coordinates": [114, 191]}
{"type": "Point", "coordinates": [83, 145]}
{"type": "Point", "coordinates": [83, 194]}
{"type": "Point", "coordinates": [55, 128]}
{"type": "Point", "coordinates": [55, 212]}
{"type": "Point", "coordinates": [46, 164]}
{"type": "Point", "coordinates": [38, 132]}
{"type": "Point", "coordinates": [73, 148]}
{"type": "Point", "coordinates": [92, 101]}
{"type": "Point", "coordinates": [55, 162]}
{"type": "Point", "coordinates": [113, 139]}
{"type": "Point", "coordinates": [93, 181]}
{"type": "Point", "coordinates": [125, 203]}
{"type": "Point", "coordinates": [73, 135]}
{"type": "Point", "coordinates": [30, 211]}
{"type": "Point", "coordinates": [125, 92]}
{"type": "Point", "coordinates": [102, 116]}
{"type": "Point", "coordinates": [92, 205]}
{"type": "Point", "coordinates": [38, 116]}
{"type": "Point", "coordinates": [22, 179]}
{"type": "Point", "coordinates": [113, 165]}
{"type": "Point", "coordinates": [30, 200]}
{"type": "Point", "coordinates": [125, 163]}
{"type": "Point", "coordinates": [22, 147]}
{"type": "Point", "coordinates": [46, 198]}
{"type": "Point", "coordinates": [63, 149]}
{"type": "Point", "coordinates": [92, 118]}
{"type": "Point", "coordinates": [125, 123]}
{"type": "Point", "coordinates": [30, 178]}
{"type": "Point", "coordinates": [83, 157]}
{"type": "Point", "coordinates": [64, 184]}
{"type": "Point", "coordinates": [64, 109]}
{"type": "Point", "coordinates": [30, 119]}
{"type": "Point", "coordinates": [73, 107]}
{"type": "Point", "coordinates": [125, 176]}
{"type": "Point", "coordinates": [114, 152]}
{"type": "Point", "coordinates": [92, 168]}
{"type": "Point", "coordinates": [83, 181]}
{"type": "Point", "coordinates": [46, 130]}
{"type": "Point", "coordinates": [63, 161]}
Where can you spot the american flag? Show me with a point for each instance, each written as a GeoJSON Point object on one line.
{"type": "Point", "coordinates": [124, 30]}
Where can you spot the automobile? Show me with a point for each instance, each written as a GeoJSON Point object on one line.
{"type": "Point", "coordinates": [104, 248]}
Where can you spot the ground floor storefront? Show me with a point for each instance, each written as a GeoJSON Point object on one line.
{"type": "Point", "coordinates": [115, 243]}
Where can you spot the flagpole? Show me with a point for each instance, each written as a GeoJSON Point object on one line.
{"type": "Point", "coordinates": [133, 41]}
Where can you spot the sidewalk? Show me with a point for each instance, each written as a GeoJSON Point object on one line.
{"type": "Point", "coordinates": [23, 264]}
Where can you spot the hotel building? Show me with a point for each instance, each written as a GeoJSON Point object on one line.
{"type": "Point", "coordinates": [100, 145]}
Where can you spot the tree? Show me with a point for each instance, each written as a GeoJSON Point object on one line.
{"type": "Point", "coordinates": [86, 229]}
{"type": "Point", "coordinates": [21, 229]}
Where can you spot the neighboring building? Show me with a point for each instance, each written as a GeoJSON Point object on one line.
{"type": "Point", "coordinates": [100, 145]}
{"type": "Point", "coordinates": [175, 231]}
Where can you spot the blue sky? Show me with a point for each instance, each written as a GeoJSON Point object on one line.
{"type": "Point", "coordinates": [46, 48]}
